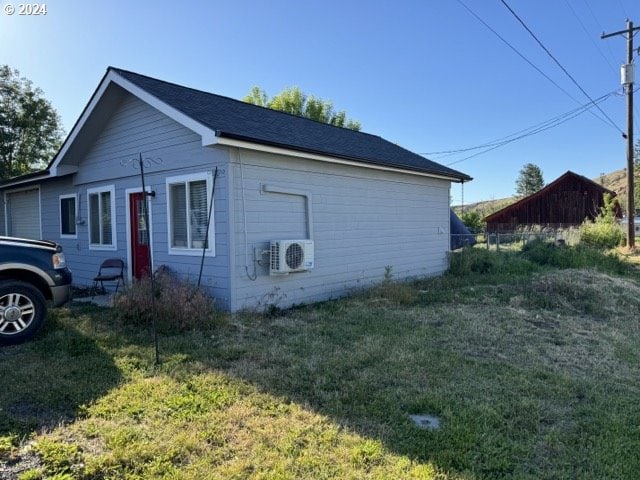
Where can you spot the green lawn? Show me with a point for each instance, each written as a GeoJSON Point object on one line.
{"type": "Point", "coordinates": [534, 372]}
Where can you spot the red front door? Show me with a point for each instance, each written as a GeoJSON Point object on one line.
{"type": "Point", "coordinates": [139, 236]}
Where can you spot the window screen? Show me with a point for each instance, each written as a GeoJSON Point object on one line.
{"type": "Point", "coordinates": [188, 210]}
{"type": "Point", "coordinates": [100, 218]}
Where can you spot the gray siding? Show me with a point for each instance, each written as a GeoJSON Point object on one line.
{"type": "Point", "coordinates": [169, 149]}
{"type": "Point", "coordinates": [50, 192]}
{"type": "Point", "coordinates": [363, 221]}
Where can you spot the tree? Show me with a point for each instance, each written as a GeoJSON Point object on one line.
{"type": "Point", "coordinates": [608, 210]}
{"type": "Point", "coordinates": [529, 181]}
{"type": "Point", "coordinates": [604, 231]}
{"type": "Point", "coordinates": [296, 102]}
{"type": "Point", "coordinates": [473, 221]}
{"type": "Point", "coordinates": [30, 131]}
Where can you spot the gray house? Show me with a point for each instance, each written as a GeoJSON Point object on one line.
{"type": "Point", "coordinates": [302, 211]}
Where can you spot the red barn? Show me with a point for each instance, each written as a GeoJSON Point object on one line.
{"type": "Point", "coordinates": [565, 202]}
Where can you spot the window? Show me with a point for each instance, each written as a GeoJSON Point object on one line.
{"type": "Point", "coordinates": [101, 203]}
{"type": "Point", "coordinates": [68, 216]}
{"type": "Point", "coordinates": [188, 209]}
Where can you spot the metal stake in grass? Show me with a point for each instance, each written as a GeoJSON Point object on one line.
{"type": "Point", "coordinates": [145, 213]}
{"type": "Point", "coordinates": [206, 235]}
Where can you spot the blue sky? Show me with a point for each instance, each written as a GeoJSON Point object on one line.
{"type": "Point", "coordinates": [425, 74]}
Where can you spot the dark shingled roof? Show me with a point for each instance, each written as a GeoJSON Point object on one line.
{"type": "Point", "coordinates": [243, 121]}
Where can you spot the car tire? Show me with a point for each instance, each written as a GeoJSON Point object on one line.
{"type": "Point", "coordinates": [23, 309]}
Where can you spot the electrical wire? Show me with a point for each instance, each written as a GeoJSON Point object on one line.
{"type": "Point", "coordinates": [624, 10]}
{"type": "Point", "coordinates": [250, 276]}
{"type": "Point", "coordinates": [636, 116]}
{"type": "Point", "coordinates": [588, 35]}
{"type": "Point", "coordinates": [613, 57]}
{"type": "Point", "coordinates": [506, 142]}
{"type": "Point", "coordinates": [557, 62]}
{"type": "Point", "coordinates": [532, 130]}
{"type": "Point", "coordinates": [506, 42]}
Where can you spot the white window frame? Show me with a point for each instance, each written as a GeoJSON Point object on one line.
{"type": "Point", "coordinates": [192, 177]}
{"type": "Point", "coordinates": [75, 199]}
{"type": "Point", "coordinates": [114, 237]}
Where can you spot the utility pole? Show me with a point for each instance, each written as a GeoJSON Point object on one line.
{"type": "Point", "coordinates": [627, 77]}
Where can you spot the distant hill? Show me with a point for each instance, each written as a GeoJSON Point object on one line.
{"type": "Point", "coordinates": [615, 181]}
{"type": "Point", "coordinates": [486, 207]}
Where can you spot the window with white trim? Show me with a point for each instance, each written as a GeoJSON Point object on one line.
{"type": "Point", "coordinates": [68, 206]}
{"type": "Point", "coordinates": [102, 230]}
{"type": "Point", "coordinates": [188, 200]}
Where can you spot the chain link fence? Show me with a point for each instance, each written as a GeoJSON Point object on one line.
{"type": "Point", "coordinates": [517, 238]}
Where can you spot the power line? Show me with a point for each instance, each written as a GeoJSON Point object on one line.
{"type": "Point", "coordinates": [627, 81]}
{"type": "Point", "coordinates": [515, 50]}
{"type": "Point", "coordinates": [613, 56]}
{"type": "Point", "coordinates": [538, 128]}
{"type": "Point", "coordinates": [506, 142]}
{"type": "Point", "coordinates": [566, 72]}
{"type": "Point", "coordinates": [506, 42]}
{"type": "Point", "coordinates": [613, 69]}
{"type": "Point", "coordinates": [624, 10]}
{"type": "Point", "coordinates": [552, 122]}
{"type": "Point", "coordinates": [593, 42]}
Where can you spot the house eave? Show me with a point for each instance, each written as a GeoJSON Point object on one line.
{"type": "Point", "coordinates": [209, 136]}
{"type": "Point", "coordinates": [26, 179]}
{"type": "Point", "coordinates": [231, 140]}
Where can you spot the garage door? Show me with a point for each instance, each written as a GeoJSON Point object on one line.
{"type": "Point", "coordinates": [23, 213]}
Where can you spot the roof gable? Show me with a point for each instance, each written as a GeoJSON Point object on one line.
{"type": "Point", "coordinates": [546, 189]}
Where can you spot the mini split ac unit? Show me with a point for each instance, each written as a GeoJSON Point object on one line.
{"type": "Point", "coordinates": [288, 256]}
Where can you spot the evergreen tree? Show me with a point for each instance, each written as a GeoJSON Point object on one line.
{"type": "Point", "coordinates": [529, 180]}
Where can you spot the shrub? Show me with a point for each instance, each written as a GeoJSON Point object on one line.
{"type": "Point", "coordinates": [542, 252]}
{"type": "Point", "coordinates": [179, 304]}
{"type": "Point", "coordinates": [478, 260]}
{"type": "Point", "coordinates": [547, 253]}
{"type": "Point", "coordinates": [473, 221]}
{"type": "Point", "coordinates": [601, 234]}
{"type": "Point", "coordinates": [604, 231]}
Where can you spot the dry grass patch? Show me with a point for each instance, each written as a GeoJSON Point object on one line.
{"type": "Point", "coordinates": [577, 322]}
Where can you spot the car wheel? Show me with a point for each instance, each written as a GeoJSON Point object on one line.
{"type": "Point", "coordinates": [22, 311]}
